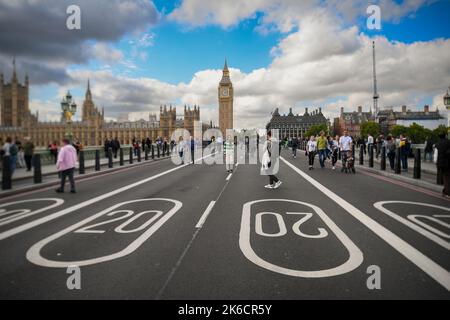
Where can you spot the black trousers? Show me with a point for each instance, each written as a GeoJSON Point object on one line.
{"type": "Point", "coordinates": [68, 173]}
{"type": "Point", "coordinates": [391, 156]}
{"type": "Point", "coordinates": [273, 179]}
{"type": "Point", "coordinates": [28, 162]}
{"type": "Point", "coordinates": [311, 156]}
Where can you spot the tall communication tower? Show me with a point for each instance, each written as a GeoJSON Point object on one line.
{"type": "Point", "coordinates": [375, 87]}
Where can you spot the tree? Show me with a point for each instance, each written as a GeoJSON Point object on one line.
{"type": "Point", "coordinates": [316, 129]}
{"type": "Point", "coordinates": [417, 133]}
{"type": "Point", "coordinates": [398, 130]}
{"type": "Point", "coordinates": [370, 127]}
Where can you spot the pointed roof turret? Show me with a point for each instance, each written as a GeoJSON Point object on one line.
{"type": "Point", "coordinates": [225, 74]}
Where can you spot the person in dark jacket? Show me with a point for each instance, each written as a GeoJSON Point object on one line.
{"type": "Point", "coordinates": [115, 146]}
{"type": "Point", "coordinates": [443, 162]}
{"type": "Point", "coordinates": [295, 143]}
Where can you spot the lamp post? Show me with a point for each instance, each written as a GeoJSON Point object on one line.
{"type": "Point", "coordinates": [69, 108]}
{"type": "Point", "coordinates": [447, 105]}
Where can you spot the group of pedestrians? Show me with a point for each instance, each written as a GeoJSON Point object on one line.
{"type": "Point", "coordinates": [327, 147]}
{"type": "Point", "coordinates": [184, 147]}
{"type": "Point", "coordinates": [114, 145]}
{"type": "Point", "coordinates": [20, 155]}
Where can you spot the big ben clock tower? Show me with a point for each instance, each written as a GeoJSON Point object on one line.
{"type": "Point", "coordinates": [226, 95]}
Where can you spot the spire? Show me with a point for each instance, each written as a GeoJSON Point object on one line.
{"type": "Point", "coordinates": [14, 69]}
{"type": "Point", "coordinates": [225, 74]}
{"type": "Point", "coordinates": [88, 90]}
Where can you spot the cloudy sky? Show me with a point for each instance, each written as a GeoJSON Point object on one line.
{"type": "Point", "coordinates": [140, 54]}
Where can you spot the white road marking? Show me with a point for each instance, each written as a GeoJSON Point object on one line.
{"type": "Point", "coordinates": [84, 204]}
{"type": "Point", "coordinates": [433, 237]}
{"type": "Point", "coordinates": [205, 215]}
{"type": "Point", "coordinates": [27, 212]}
{"type": "Point", "coordinates": [34, 253]}
{"type": "Point", "coordinates": [229, 177]}
{"type": "Point", "coordinates": [435, 271]}
{"type": "Point", "coordinates": [355, 255]}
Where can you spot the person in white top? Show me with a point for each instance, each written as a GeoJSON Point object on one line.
{"type": "Point", "coordinates": [180, 148]}
{"type": "Point", "coordinates": [311, 149]}
{"type": "Point", "coordinates": [345, 145]}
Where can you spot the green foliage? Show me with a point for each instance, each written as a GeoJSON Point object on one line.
{"type": "Point", "coordinates": [370, 127]}
{"type": "Point", "coordinates": [398, 130]}
{"type": "Point", "coordinates": [316, 129]}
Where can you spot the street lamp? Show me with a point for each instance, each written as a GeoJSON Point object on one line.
{"type": "Point", "coordinates": [447, 105]}
{"type": "Point", "coordinates": [69, 108]}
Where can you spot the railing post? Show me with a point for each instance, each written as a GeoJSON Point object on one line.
{"type": "Point", "coordinates": [398, 164]}
{"type": "Point", "coordinates": [131, 155]}
{"type": "Point", "coordinates": [139, 158]}
{"type": "Point", "coordinates": [97, 160]}
{"type": "Point", "coordinates": [110, 158]}
{"type": "Point", "coordinates": [159, 151]}
{"type": "Point", "coordinates": [37, 175]}
{"type": "Point", "coordinates": [383, 159]}
{"type": "Point", "coordinates": [417, 164]}
{"type": "Point", "coordinates": [361, 155]}
{"type": "Point", "coordinates": [371, 156]}
{"type": "Point", "coordinates": [6, 177]}
{"type": "Point", "coordinates": [121, 162]}
{"type": "Point", "coordinates": [82, 169]}
{"type": "Point", "coordinates": [146, 152]}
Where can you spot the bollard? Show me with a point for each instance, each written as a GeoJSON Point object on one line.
{"type": "Point", "coordinates": [97, 160]}
{"type": "Point", "coordinates": [371, 156]}
{"type": "Point", "coordinates": [37, 175]}
{"type": "Point", "coordinates": [153, 152]}
{"type": "Point", "coordinates": [139, 159]}
{"type": "Point", "coordinates": [6, 177]}
{"type": "Point", "coordinates": [131, 155]}
{"type": "Point", "coordinates": [146, 153]}
{"type": "Point", "coordinates": [383, 159]}
{"type": "Point", "coordinates": [417, 164]}
{"type": "Point", "coordinates": [168, 150]}
{"type": "Point", "coordinates": [440, 177]}
{"type": "Point", "coordinates": [398, 164]}
{"type": "Point", "coordinates": [353, 150]}
{"type": "Point", "coordinates": [82, 169]}
{"type": "Point", "coordinates": [121, 162]}
{"type": "Point", "coordinates": [110, 158]}
{"type": "Point", "coordinates": [158, 147]}
{"type": "Point", "coordinates": [361, 155]}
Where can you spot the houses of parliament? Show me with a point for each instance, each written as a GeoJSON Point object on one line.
{"type": "Point", "coordinates": [17, 121]}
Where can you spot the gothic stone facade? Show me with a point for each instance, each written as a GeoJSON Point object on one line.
{"type": "Point", "coordinates": [295, 125]}
{"type": "Point", "coordinates": [17, 121]}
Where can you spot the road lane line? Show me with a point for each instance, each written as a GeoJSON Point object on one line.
{"type": "Point", "coordinates": [205, 215]}
{"type": "Point", "coordinates": [435, 271]}
{"type": "Point", "coordinates": [229, 177]}
{"type": "Point", "coordinates": [84, 204]}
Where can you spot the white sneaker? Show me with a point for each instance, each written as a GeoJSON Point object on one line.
{"type": "Point", "coordinates": [334, 168]}
{"type": "Point", "coordinates": [269, 186]}
{"type": "Point", "coordinates": [277, 185]}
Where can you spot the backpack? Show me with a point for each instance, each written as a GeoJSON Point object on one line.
{"type": "Point", "coordinates": [13, 150]}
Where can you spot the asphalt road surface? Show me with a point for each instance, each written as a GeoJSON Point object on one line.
{"type": "Point", "coordinates": [160, 231]}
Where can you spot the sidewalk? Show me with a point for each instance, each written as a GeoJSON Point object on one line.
{"type": "Point", "coordinates": [23, 180]}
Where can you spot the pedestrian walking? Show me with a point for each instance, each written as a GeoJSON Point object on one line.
{"type": "Point", "coordinates": [180, 148]}
{"type": "Point", "coordinates": [390, 148]}
{"type": "Point", "coordinates": [269, 163]}
{"type": "Point", "coordinates": [11, 150]}
{"type": "Point", "coordinates": [443, 162]}
{"type": "Point", "coordinates": [192, 147]}
{"type": "Point", "coordinates": [428, 149]}
{"type": "Point", "coordinates": [370, 142]}
{"type": "Point", "coordinates": [67, 159]}
{"type": "Point", "coordinates": [229, 154]}
{"type": "Point", "coordinates": [311, 149]}
{"type": "Point", "coordinates": [322, 145]}
{"type": "Point", "coordinates": [334, 151]}
{"type": "Point", "coordinates": [53, 148]}
{"type": "Point", "coordinates": [295, 142]}
{"type": "Point", "coordinates": [28, 149]}
{"type": "Point", "coordinates": [405, 150]}
{"type": "Point", "coordinates": [115, 147]}
{"type": "Point", "coordinates": [345, 145]}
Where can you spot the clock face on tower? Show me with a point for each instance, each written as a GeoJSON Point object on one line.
{"type": "Point", "coordinates": [225, 92]}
